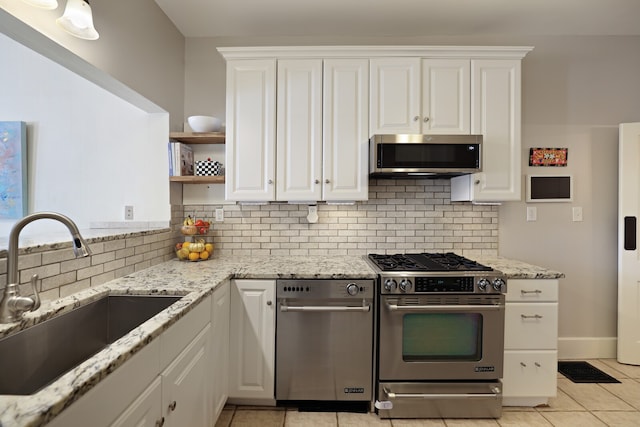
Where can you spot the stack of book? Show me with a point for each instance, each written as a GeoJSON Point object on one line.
{"type": "Point", "coordinates": [180, 159]}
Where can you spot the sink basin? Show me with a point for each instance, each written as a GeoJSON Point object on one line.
{"type": "Point", "coordinates": [35, 357]}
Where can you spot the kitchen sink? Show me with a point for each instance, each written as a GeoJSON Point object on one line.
{"type": "Point", "coordinates": [35, 357]}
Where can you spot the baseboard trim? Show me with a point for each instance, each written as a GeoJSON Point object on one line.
{"type": "Point", "coordinates": [587, 348]}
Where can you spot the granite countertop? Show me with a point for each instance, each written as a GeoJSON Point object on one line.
{"type": "Point", "coordinates": [195, 281]}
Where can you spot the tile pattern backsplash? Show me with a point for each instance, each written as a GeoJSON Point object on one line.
{"type": "Point", "coordinates": [61, 274]}
{"type": "Point", "coordinates": [400, 216]}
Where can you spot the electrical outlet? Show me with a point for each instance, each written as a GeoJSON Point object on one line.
{"type": "Point", "coordinates": [577, 214]}
{"type": "Point", "coordinates": [128, 212]}
{"type": "Point", "coordinates": [219, 215]}
{"type": "Point", "coordinates": [532, 213]}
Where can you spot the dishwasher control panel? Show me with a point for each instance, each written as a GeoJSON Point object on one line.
{"type": "Point", "coordinates": [322, 289]}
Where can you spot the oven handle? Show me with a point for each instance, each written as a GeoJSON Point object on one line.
{"type": "Point", "coordinates": [395, 307]}
{"type": "Point", "coordinates": [391, 395]}
{"type": "Point", "coordinates": [365, 308]}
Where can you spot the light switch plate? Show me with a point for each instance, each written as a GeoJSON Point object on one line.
{"type": "Point", "coordinates": [219, 215]}
{"type": "Point", "coordinates": [577, 213]}
{"type": "Point", "coordinates": [532, 213]}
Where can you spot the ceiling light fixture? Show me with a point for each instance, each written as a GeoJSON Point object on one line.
{"type": "Point", "coordinates": [77, 20]}
{"type": "Point", "coordinates": [43, 4]}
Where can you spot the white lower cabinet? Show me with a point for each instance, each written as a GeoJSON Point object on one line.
{"type": "Point", "coordinates": [531, 342]}
{"type": "Point", "coordinates": [167, 383]}
{"type": "Point", "coordinates": [252, 341]}
{"type": "Point", "coordinates": [187, 387]}
{"type": "Point", "coordinates": [220, 344]}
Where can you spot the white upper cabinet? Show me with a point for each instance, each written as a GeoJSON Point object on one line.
{"type": "Point", "coordinates": [317, 107]}
{"type": "Point", "coordinates": [251, 130]}
{"type": "Point", "coordinates": [395, 96]}
{"type": "Point", "coordinates": [495, 113]}
{"type": "Point", "coordinates": [446, 96]}
{"type": "Point", "coordinates": [345, 124]}
{"type": "Point", "coordinates": [299, 130]}
{"type": "Point", "coordinates": [420, 96]}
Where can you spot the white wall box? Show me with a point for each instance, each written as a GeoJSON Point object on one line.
{"type": "Point", "coordinates": [252, 342]}
{"type": "Point", "coordinates": [531, 342]}
{"type": "Point", "coordinates": [175, 367]}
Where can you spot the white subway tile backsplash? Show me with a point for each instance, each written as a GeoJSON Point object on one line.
{"type": "Point", "coordinates": [400, 216]}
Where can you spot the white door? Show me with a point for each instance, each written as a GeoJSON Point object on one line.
{"type": "Point", "coordinates": [252, 339]}
{"type": "Point", "coordinates": [251, 133]}
{"type": "Point", "coordinates": [446, 96]}
{"type": "Point", "coordinates": [345, 123]}
{"type": "Point", "coordinates": [395, 95]}
{"type": "Point", "coordinates": [299, 130]}
{"type": "Point", "coordinates": [628, 253]}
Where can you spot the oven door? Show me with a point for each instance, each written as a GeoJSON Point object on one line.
{"type": "Point", "coordinates": [441, 337]}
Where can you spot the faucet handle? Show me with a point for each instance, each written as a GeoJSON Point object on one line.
{"type": "Point", "coordinates": [36, 295]}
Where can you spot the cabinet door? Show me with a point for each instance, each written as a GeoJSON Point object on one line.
{"type": "Point", "coordinates": [186, 385]}
{"type": "Point", "coordinates": [252, 339]}
{"type": "Point", "coordinates": [530, 374]}
{"type": "Point", "coordinates": [446, 96]}
{"type": "Point", "coordinates": [299, 130]}
{"type": "Point", "coordinates": [145, 411]}
{"type": "Point", "coordinates": [395, 95]}
{"type": "Point", "coordinates": [220, 346]}
{"type": "Point", "coordinates": [251, 134]}
{"type": "Point", "coordinates": [495, 113]}
{"type": "Point", "coordinates": [345, 124]}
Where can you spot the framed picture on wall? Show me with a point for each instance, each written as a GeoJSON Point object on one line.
{"type": "Point", "coordinates": [13, 170]}
{"type": "Point", "coordinates": [548, 156]}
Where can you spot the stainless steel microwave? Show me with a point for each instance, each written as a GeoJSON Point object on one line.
{"type": "Point", "coordinates": [406, 156]}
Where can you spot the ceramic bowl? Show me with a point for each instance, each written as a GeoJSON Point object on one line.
{"type": "Point", "coordinates": [204, 123]}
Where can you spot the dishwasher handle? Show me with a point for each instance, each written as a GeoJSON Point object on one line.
{"type": "Point", "coordinates": [364, 308]}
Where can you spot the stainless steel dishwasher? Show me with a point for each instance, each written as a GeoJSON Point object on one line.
{"type": "Point", "coordinates": [324, 340]}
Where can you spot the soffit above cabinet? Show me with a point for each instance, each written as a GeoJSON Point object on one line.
{"type": "Point", "coordinates": [469, 52]}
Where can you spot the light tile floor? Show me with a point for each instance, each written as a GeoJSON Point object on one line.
{"type": "Point", "coordinates": [583, 405]}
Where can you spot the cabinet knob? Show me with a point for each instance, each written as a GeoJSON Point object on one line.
{"type": "Point", "coordinates": [426, 119]}
{"type": "Point", "coordinates": [269, 303]}
{"type": "Point", "coordinates": [524, 365]}
{"type": "Point", "coordinates": [172, 406]}
{"type": "Point", "coordinates": [270, 181]}
{"type": "Point", "coordinates": [160, 422]}
{"type": "Point", "coordinates": [476, 182]}
{"type": "Point", "coordinates": [416, 118]}
{"type": "Point", "coordinates": [326, 181]}
{"type": "Point", "coordinates": [317, 181]}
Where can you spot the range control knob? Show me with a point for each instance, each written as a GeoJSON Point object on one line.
{"type": "Point", "coordinates": [405, 285]}
{"type": "Point", "coordinates": [483, 284]}
{"type": "Point", "coordinates": [352, 289]}
{"type": "Point", "coordinates": [498, 284]}
{"type": "Point", "coordinates": [390, 285]}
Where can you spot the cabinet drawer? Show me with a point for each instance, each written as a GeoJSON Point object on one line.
{"type": "Point", "coordinates": [532, 290]}
{"type": "Point", "coordinates": [531, 326]}
{"type": "Point", "coordinates": [530, 373]}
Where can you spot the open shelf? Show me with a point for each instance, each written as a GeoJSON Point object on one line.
{"type": "Point", "coordinates": [198, 179]}
{"type": "Point", "coordinates": [198, 137]}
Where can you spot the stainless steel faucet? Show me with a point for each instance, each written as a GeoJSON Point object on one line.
{"type": "Point", "coordinates": [12, 305]}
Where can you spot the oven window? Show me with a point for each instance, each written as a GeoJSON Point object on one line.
{"type": "Point", "coordinates": [442, 336]}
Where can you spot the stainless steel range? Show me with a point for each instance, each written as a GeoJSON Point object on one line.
{"type": "Point", "coordinates": [440, 347]}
